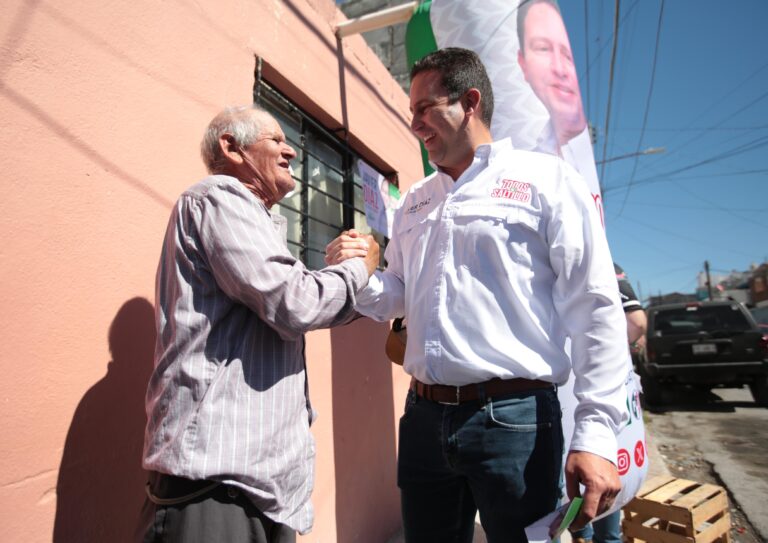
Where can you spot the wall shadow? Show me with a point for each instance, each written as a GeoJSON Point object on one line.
{"type": "Point", "coordinates": [364, 447]}
{"type": "Point", "coordinates": [100, 484]}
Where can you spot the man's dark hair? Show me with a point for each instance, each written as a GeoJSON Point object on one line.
{"type": "Point", "coordinates": [522, 13]}
{"type": "Point", "coordinates": [461, 70]}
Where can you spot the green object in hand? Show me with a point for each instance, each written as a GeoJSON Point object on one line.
{"type": "Point", "coordinates": [570, 514]}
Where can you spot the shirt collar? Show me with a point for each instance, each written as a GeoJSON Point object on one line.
{"type": "Point", "coordinates": [497, 147]}
{"type": "Point", "coordinates": [484, 154]}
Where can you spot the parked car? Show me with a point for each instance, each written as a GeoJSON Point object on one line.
{"type": "Point", "coordinates": [705, 344]}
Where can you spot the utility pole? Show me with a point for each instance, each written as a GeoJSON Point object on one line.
{"type": "Point", "coordinates": [640, 293]}
{"type": "Point", "coordinates": [709, 282]}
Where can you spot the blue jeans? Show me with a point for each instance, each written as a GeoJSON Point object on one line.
{"type": "Point", "coordinates": [502, 457]}
{"type": "Point", "coordinates": [604, 530]}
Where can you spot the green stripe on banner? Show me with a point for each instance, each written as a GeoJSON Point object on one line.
{"type": "Point", "coordinates": [419, 39]}
{"type": "Point", "coordinates": [419, 42]}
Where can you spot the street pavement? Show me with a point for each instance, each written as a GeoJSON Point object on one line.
{"type": "Point", "coordinates": [719, 437]}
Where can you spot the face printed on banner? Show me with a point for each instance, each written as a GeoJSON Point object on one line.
{"type": "Point", "coordinates": [547, 63]}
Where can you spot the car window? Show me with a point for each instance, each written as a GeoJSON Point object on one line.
{"type": "Point", "coordinates": [694, 319]}
{"type": "Point", "coordinates": [760, 314]}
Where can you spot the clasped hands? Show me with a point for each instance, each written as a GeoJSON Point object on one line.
{"type": "Point", "coordinates": [353, 244]}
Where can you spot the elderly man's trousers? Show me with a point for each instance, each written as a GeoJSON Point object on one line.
{"type": "Point", "coordinates": [221, 514]}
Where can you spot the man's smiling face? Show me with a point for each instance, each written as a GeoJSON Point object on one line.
{"type": "Point", "coordinates": [437, 122]}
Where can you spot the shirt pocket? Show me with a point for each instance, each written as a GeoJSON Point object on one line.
{"type": "Point", "coordinates": [523, 412]}
{"type": "Point", "coordinates": [490, 235]}
{"type": "Point", "coordinates": [510, 214]}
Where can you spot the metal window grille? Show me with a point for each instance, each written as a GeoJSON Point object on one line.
{"type": "Point", "coordinates": [329, 195]}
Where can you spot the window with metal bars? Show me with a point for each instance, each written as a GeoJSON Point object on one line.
{"type": "Point", "coordinates": [329, 193]}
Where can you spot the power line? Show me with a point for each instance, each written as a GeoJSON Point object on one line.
{"type": "Point", "coordinates": [735, 88]}
{"type": "Point", "coordinates": [586, 49]}
{"type": "Point", "coordinates": [647, 106]}
{"type": "Point", "coordinates": [656, 169]}
{"type": "Point", "coordinates": [699, 176]}
{"type": "Point", "coordinates": [600, 51]}
{"type": "Point", "coordinates": [726, 118]}
{"type": "Point", "coordinates": [645, 244]}
{"type": "Point", "coordinates": [717, 206]}
{"type": "Point", "coordinates": [750, 146]}
{"type": "Point", "coordinates": [610, 84]}
{"type": "Point", "coordinates": [698, 208]}
{"type": "Point", "coordinates": [675, 151]}
{"type": "Point", "coordinates": [694, 129]}
{"type": "Point", "coordinates": [707, 243]}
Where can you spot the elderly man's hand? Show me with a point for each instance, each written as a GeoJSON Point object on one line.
{"type": "Point", "coordinates": [351, 244]}
{"type": "Point", "coordinates": [601, 484]}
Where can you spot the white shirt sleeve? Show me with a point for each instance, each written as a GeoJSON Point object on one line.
{"type": "Point", "coordinates": [384, 296]}
{"type": "Point", "coordinates": [587, 300]}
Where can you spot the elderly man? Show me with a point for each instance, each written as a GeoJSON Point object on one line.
{"type": "Point", "coordinates": [227, 441]}
{"type": "Point", "coordinates": [496, 260]}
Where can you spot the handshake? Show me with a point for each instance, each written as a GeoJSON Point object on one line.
{"type": "Point", "coordinates": [353, 244]}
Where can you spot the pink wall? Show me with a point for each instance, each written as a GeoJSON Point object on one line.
{"type": "Point", "coordinates": [102, 105]}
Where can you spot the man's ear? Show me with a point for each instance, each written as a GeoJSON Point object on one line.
{"type": "Point", "coordinates": [230, 149]}
{"type": "Point", "coordinates": [471, 101]}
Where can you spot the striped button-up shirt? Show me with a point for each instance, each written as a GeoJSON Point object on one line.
{"type": "Point", "coordinates": [228, 399]}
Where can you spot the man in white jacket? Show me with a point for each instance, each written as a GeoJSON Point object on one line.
{"type": "Point", "coordinates": [496, 259]}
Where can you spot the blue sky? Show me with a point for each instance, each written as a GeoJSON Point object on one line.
{"type": "Point", "coordinates": [706, 196]}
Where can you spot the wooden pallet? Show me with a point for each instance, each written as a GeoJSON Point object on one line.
{"type": "Point", "coordinates": [670, 510]}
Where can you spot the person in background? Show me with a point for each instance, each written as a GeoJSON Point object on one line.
{"type": "Point", "coordinates": [227, 441]}
{"type": "Point", "coordinates": [496, 259]}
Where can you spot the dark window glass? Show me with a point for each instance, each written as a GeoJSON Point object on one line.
{"type": "Point", "coordinates": [694, 319]}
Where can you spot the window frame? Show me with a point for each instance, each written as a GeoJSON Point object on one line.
{"type": "Point", "coordinates": [273, 101]}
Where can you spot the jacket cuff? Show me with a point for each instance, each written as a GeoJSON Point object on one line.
{"type": "Point", "coordinates": [595, 438]}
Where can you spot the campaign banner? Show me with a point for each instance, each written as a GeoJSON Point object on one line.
{"type": "Point", "coordinates": [525, 48]}
{"type": "Point", "coordinates": [535, 87]}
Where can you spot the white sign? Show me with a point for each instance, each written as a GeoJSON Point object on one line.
{"type": "Point", "coordinates": [379, 206]}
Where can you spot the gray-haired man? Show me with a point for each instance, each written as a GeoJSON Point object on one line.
{"type": "Point", "coordinates": [227, 442]}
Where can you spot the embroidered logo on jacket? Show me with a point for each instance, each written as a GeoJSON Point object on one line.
{"type": "Point", "coordinates": [416, 207]}
{"type": "Point", "coordinates": [518, 191]}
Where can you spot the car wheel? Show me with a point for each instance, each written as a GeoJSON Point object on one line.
{"type": "Point", "coordinates": [652, 391]}
{"type": "Point", "coordinates": [759, 389]}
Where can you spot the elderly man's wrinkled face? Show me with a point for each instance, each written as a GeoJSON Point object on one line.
{"type": "Point", "coordinates": [266, 162]}
{"type": "Point", "coordinates": [547, 63]}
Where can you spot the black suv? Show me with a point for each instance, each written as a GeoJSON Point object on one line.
{"type": "Point", "coordinates": [704, 344]}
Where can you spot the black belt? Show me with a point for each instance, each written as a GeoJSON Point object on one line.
{"type": "Point", "coordinates": [469, 393]}
{"type": "Point", "coordinates": [164, 489]}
